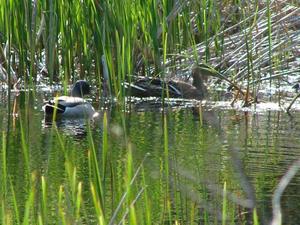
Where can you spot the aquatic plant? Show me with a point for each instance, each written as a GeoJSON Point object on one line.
{"type": "Point", "coordinates": [246, 44]}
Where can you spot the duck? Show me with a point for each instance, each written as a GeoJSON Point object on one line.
{"type": "Point", "coordinates": [154, 87]}
{"type": "Point", "coordinates": [74, 106]}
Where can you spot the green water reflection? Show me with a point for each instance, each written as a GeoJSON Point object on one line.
{"type": "Point", "coordinates": [248, 151]}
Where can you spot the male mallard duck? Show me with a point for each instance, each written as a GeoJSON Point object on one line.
{"type": "Point", "coordinates": [153, 87]}
{"type": "Point", "coordinates": [71, 106]}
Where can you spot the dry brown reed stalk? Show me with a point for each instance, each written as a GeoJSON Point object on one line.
{"type": "Point", "coordinates": [233, 62]}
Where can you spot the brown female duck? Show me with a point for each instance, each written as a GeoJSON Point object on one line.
{"type": "Point", "coordinates": [154, 87]}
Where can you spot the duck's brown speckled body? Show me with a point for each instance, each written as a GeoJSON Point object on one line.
{"type": "Point", "coordinates": [155, 87]}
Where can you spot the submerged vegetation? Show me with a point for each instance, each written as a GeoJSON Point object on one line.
{"type": "Point", "coordinates": [246, 45]}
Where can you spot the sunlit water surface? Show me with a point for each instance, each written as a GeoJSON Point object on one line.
{"type": "Point", "coordinates": [249, 150]}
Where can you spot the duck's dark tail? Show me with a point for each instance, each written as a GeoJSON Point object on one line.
{"type": "Point", "coordinates": [135, 90]}
{"type": "Point", "coordinates": [50, 108]}
{"type": "Point", "coordinates": [151, 87]}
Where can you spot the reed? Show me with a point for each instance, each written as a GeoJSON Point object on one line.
{"type": "Point", "coordinates": [224, 206]}
{"type": "Point", "coordinates": [3, 167]}
{"type": "Point", "coordinates": [62, 41]}
{"type": "Point", "coordinates": [255, 218]}
{"type": "Point", "coordinates": [15, 205]}
{"type": "Point", "coordinates": [96, 182]}
{"type": "Point", "coordinates": [74, 36]}
{"type": "Point", "coordinates": [109, 191]}
{"type": "Point", "coordinates": [69, 39]}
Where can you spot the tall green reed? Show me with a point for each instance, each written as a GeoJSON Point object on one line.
{"type": "Point", "coordinates": [73, 39]}
{"type": "Point", "coordinates": [69, 39]}
{"type": "Point", "coordinates": [3, 167]}
{"type": "Point", "coordinates": [96, 181]}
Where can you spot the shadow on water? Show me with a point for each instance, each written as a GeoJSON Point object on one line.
{"type": "Point", "coordinates": [208, 146]}
{"type": "Point", "coordinates": [76, 128]}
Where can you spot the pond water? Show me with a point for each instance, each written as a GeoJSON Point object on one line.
{"type": "Point", "coordinates": [248, 150]}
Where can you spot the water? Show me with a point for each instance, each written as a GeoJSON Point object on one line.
{"type": "Point", "coordinates": [249, 150]}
